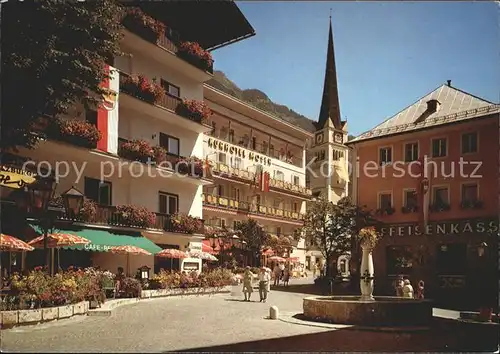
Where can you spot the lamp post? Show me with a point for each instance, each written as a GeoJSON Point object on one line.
{"type": "Point", "coordinates": [73, 201]}
{"type": "Point", "coordinates": [484, 289]}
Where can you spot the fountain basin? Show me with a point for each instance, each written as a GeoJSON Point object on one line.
{"type": "Point", "coordinates": [382, 311]}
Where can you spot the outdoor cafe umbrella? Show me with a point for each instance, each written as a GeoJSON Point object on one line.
{"type": "Point", "coordinates": [204, 255]}
{"type": "Point", "coordinates": [172, 254]}
{"type": "Point", "coordinates": [129, 250]}
{"type": "Point", "coordinates": [12, 244]}
{"type": "Point", "coordinates": [277, 259]}
{"type": "Point", "coordinates": [58, 240]}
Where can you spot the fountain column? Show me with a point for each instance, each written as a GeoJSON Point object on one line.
{"type": "Point", "coordinates": [367, 273]}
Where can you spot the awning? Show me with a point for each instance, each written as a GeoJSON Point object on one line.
{"type": "Point", "coordinates": [103, 240]}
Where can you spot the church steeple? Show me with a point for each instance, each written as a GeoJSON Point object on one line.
{"type": "Point", "coordinates": [330, 108]}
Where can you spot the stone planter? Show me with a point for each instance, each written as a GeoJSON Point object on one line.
{"type": "Point", "coordinates": [79, 309]}
{"type": "Point", "coordinates": [9, 318]}
{"type": "Point", "coordinates": [50, 313]}
{"type": "Point", "coordinates": [367, 274]}
{"type": "Point", "coordinates": [65, 311]}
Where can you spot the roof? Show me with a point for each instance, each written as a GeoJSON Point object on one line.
{"type": "Point", "coordinates": [330, 107]}
{"type": "Point", "coordinates": [454, 105]}
{"type": "Point", "coordinates": [212, 24]}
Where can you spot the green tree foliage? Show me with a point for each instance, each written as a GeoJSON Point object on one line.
{"type": "Point", "coordinates": [255, 236]}
{"type": "Point", "coordinates": [329, 228]}
{"type": "Point", "coordinates": [53, 54]}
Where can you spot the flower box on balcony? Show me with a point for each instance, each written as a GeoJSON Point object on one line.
{"type": "Point", "coordinates": [139, 86]}
{"type": "Point", "coordinates": [195, 110]}
{"type": "Point", "coordinates": [143, 25]}
{"type": "Point", "coordinates": [137, 150]}
{"type": "Point", "coordinates": [192, 166]}
{"type": "Point", "coordinates": [471, 204]}
{"type": "Point", "coordinates": [187, 224]}
{"type": "Point", "coordinates": [438, 207]}
{"type": "Point", "coordinates": [385, 211]}
{"type": "Point", "coordinates": [193, 53]}
{"type": "Point", "coordinates": [135, 216]}
{"type": "Point", "coordinates": [88, 212]}
{"type": "Point", "coordinates": [75, 131]}
{"type": "Point", "coordinates": [409, 209]}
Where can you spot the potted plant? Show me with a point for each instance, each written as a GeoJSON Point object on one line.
{"type": "Point", "coordinates": [193, 53]}
{"type": "Point", "coordinates": [195, 110]}
{"type": "Point", "coordinates": [137, 150]}
{"type": "Point", "coordinates": [143, 25]}
{"type": "Point", "coordinates": [143, 88]}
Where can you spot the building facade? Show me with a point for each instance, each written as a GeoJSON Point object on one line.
{"type": "Point", "coordinates": [430, 177]}
{"type": "Point", "coordinates": [148, 132]}
{"type": "Point", "coordinates": [258, 168]}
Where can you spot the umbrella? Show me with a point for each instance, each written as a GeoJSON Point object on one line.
{"type": "Point", "coordinates": [128, 250]}
{"type": "Point", "coordinates": [12, 244]}
{"type": "Point", "coordinates": [268, 252]}
{"type": "Point", "coordinates": [204, 256]}
{"type": "Point", "coordinates": [172, 254]}
{"type": "Point", "coordinates": [293, 259]}
{"type": "Point", "coordinates": [207, 248]}
{"type": "Point", "coordinates": [277, 258]}
{"type": "Point", "coordinates": [58, 240]}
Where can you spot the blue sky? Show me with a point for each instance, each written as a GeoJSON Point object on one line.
{"type": "Point", "coordinates": [388, 54]}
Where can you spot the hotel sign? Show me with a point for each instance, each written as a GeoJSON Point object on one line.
{"type": "Point", "coordinates": [238, 151]}
{"type": "Point", "coordinates": [15, 177]}
{"type": "Point", "coordinates": [442, 228]}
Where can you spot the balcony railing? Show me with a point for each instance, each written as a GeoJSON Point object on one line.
{"type": "Point", "coordinates": [250, 208]}
{"type": "Point", "coordinates": [240, 174]}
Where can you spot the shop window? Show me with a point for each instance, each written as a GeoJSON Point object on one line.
{"type": "Point", "coordinates": [98, 191]}
{"type": "Point", "coordinates": [439, 147]}
{"type": "Point", "coordinates": [411, 152]}
{"type": "Point", "coordinates": [469, 143]}
{"type": "Point", "coordinates": [385, 156]}
{"type": "Point", "coordinates": [451, 259]}
{"type": "Point", "coordinates": [399, 259]}
{"type": "Point", "coordinates": [169, 203]}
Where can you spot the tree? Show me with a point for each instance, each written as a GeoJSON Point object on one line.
{"type": "Point", "coordinates": [280, 244]}
{"type": "Point", "coordinates": [329, 227]}
{"type": "Point", "coordinates": [255, 236]}
{"type": "Point", "coordinates": [53, 55]}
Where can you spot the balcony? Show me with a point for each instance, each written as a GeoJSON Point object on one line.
{"type": "Point", "coordinates": [145, 34]}
{"type": "Point", "coordinates": [250, 208]}
{"type": "Point", "coordinates": [172, 108]}
{"type": "Point", "coordinates": [223, 170]}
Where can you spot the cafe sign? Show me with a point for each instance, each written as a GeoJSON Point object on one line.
{"type": "Point", "coordinates": [15, 177]}
{"type": "Point", "coordinates": [458, 227]}
{"type": "Point", "coordinates": [97, 248]}
{"type": "Point", "coordinates": [238, 151]}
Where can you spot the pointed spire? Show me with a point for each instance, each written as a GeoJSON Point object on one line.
{"type": "Point", "coordinates": [330, 108]}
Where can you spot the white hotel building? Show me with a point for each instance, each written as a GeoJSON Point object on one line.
{"type": "Point", "coordinates": [158, 123]}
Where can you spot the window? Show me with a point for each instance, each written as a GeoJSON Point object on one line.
{"type": "Point", "coordinates": [278, 175]}
{"type": "Point", "coordinates": [221, 157]}
{"type": "Point", "coordinates": [296, 180]}
{"type": "Point", "coordinates": [235, 193]}
{"type": "Point", "coordinates": [411, 152]}
{"type": "Point", "coordinates": [169, 203]}
{"type": "Point", "coordinates": [236, 162]}
{"type": "Point", "coordinates": [220, 190]}
{"type": "Point", "coordinates": [469, 143]}
{"type": "Point", "coordinates": [235, 224]}
{"type": "Point", "coordinates": [222, 222]}
{"type": "Point", "coordinates": [469, 192]}
{"type": "Point", "coordinates": [295, 207]}
{"type": "Point", "coordinates": [385, 200]}
{"type": "Point", "coordinates": [170, 88]}
{"type": "Point", "coordinates": [231, 135]}
{"type": "Point", "coordinates": [170, 143]}
{"type": "Point", "coordinates": [337, 155]}
{"type": "Point", "coordinates": [410, 198]}
{"type": "Point", "coordinates": [278, 203]}
{"type": "Point", "coordinates": [385, 155]}
{"type": "Point", "coordinates": [98, 191]}
{"type": "Point", "coordinates": [278, 231]}
{"type": "Point", "coordinates": [439, 147]}
{"type": "Point", "coordinates": [441, 196]}
{"type": "Point", "coordinates": [399, 259]}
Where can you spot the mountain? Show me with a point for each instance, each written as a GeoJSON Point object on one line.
{"type": "Point", "coordinates": [260, 100]}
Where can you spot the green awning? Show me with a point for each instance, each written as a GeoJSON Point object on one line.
{"type": "Point", "coordinates": [103, 240]}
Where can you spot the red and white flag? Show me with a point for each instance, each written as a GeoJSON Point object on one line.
{"type": "Point", "coordinates": [264, 181]}
{"type": "Point", "coordinates": [107, 112]}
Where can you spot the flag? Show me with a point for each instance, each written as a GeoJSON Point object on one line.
{"type": "Point", "coordinates": [107, 112]}
{"type": "Point", "coordinates": [264, 182]}
{"type": "Point", "coordinates": [257, 178]}
{"type": "Point", "coordinates": [424, 190]}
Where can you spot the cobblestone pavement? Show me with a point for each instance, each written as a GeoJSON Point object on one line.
{"type": "Point", "coordinates": [165, 324]}
{"type": "Point", "coordinates": [210, 323]}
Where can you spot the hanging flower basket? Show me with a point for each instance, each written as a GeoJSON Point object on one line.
{"type": "Point", "coordinates": [139, 86]}
{"type": "Point", "coordinates": [143, 25]}
{"type": "Point", "coordinates": [193, 53]}
{"type": "Point", "coordinates": [76, 131]}
{"type": "Point", "coordinates": [137, 150]}
{"type": "Point", "coordinates": [135, 216]}
{"type": "Point", "coordinates": [368, 237]}
{"type": "Point", "coordinates": [195, 110]}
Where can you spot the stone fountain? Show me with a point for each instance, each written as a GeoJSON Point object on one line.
{"type": "Point", "coordinates": [366, 309]}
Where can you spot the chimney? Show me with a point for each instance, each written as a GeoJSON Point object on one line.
{"type": "Point", "coordinates": [448, 82]}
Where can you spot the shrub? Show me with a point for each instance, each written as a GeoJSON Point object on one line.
{"type": "Point", "coordinates": [195, 110]}
{"type": "Point", "coordinates": [131, 287]}
{"type": "Point", "coordinates": [135, 216]}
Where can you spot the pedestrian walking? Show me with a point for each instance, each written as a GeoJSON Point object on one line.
{"type": "Point", "coordinates": [263, 284]}
{"type": "Point", "coordinates": [247, 283]}
{"type": "Point", "coordinates": [315, 270]}
{"type": "Point", "coordinates": [276, 273]}
{"type": "Point", "coordinates": [286, 276]}
{"type": "Point", "coordinates": [269, 283]}
{"type": "Point", "coordinates": [407, 289]}
{"type": "Point", "coordinates": [420, 290]}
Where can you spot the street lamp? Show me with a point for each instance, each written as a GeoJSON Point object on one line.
{"type": "Point", "coordinates": [73, 201]}
{"type": "Point", "coordinates": [481, 249]}
{"type": "Point", "coordinates": [486, 309]}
